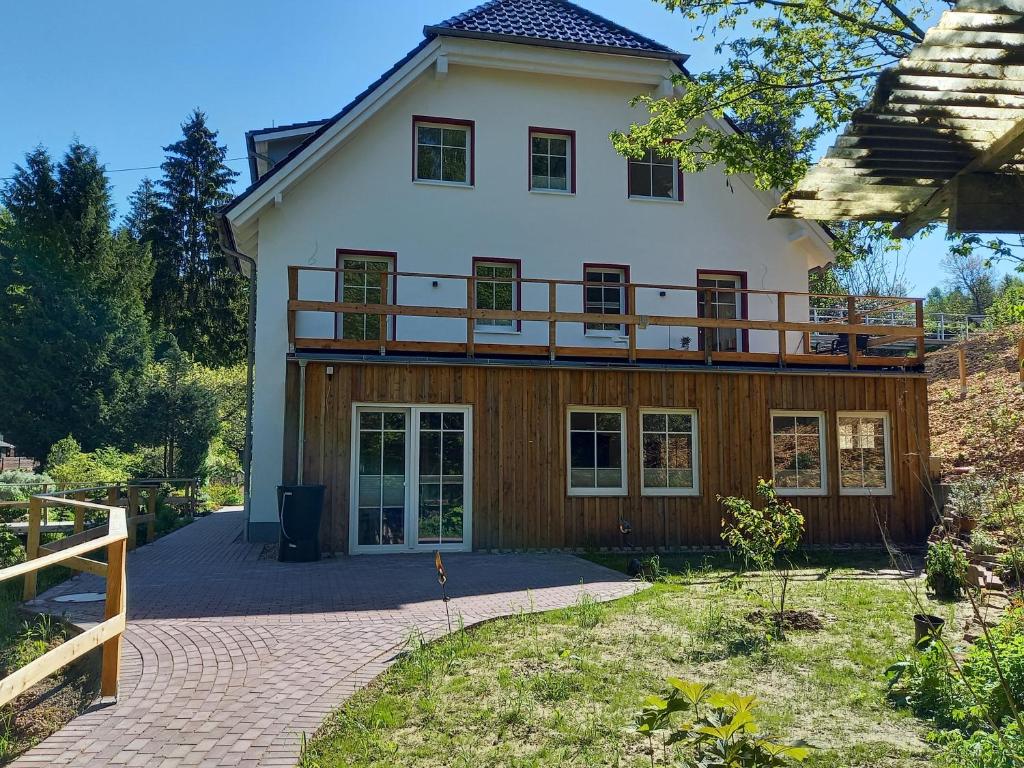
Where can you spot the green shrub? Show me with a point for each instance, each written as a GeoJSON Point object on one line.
{"type": "Point", "coordinates": [983, 542]}
{"type": "Point", "coordinates": [222, 495]}
{"type": "Point", "coordinates": [982, 749]}
{"type": "Point", "coordinates": [946, 566]}
{"type": "Point", "coordinates": [977, 699]}
{"type": "Point", "coordinates": [19, 484]}
{"type": "Point", "coordinates": [1011, 565]}
{"type": "Point", "coordinates": [69, 465]}
{"type": "Point", "coordinates": [765, 538]}
{"type": "Point", "coordinates": [708, 728]}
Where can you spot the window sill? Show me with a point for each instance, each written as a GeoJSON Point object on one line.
{"type": "Point", "coordinates": [433, 183]}
{"type": "Point", "coordinates": [642, 199]}
{"type": "Point", "coordinates": [597, 492]}
{"type": "Point", "coordinates": [557, 192]}
{"type": "Point", "coordinates": [691, 493]}
{"type": "Point", "coordinates": [865, 492]}
{"type": "Point", "coordinates": [801, 492]}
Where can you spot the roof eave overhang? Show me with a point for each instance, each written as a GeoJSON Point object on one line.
{"type": "Point", "coordinates": [675, 56]}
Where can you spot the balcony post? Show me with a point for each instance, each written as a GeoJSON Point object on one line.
{"type": "Point", "coordinates": [851, 320]}
{"type": "Point", "coordinates": [293, 294]}
{"type": "Point", "coordinates": [631, 330]}
{"type": "Point", "coordinates": [919, 320]}
{"type": "Point", "coordinates": [552, 325]}
{"type": "Point", "coordinates": [382, 320]}
{"type": "Point", "coordinates": [704, 330]}
{"type": "Point", "coordinates": [470, 326]}
{"type": "Point", "coordinates": [782, 334]}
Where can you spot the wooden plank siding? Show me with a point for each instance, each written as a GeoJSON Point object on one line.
{"type": "Point", "coordinates": [520, 499]}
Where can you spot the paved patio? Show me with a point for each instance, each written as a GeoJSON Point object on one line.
{"type": "Point", "coordinates": [229, 656]}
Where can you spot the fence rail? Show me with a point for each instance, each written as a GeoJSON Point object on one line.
{"type": "Point", "coordinates": [780, 318]}
{"type": "Point", "coordinates": [116, 537]}
{"type": "Point", "coordinates": [107, 633]}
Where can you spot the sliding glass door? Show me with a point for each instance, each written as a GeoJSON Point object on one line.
{"type": "Point", "coordinates": [411, 485]}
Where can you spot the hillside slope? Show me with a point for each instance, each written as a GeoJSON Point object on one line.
{"type": "Point", "coordinates": [985, 429]}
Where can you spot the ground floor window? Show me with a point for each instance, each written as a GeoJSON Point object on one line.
{"type": "Point", "coordinates": [597, 451]}
{"type": "Point", "coordinates": [669, 452]}
{"type": "Point", "coordinates": [412, 478]}
{"type": "Point", "coordinates": [864, 465]}
{"type": "Point", "coordinates": [798, 452]}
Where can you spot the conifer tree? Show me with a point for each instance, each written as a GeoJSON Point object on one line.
{"type": "Point", "coordinates": [196, 296]}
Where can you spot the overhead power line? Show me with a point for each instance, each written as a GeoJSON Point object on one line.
{"type": "Point", "coordinates": [142, 167]}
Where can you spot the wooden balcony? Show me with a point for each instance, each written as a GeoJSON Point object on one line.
{"type": "Point", "coordinates": [775, 328]}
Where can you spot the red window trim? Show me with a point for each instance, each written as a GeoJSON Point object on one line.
{"type": "Point", "coordinates": [744, 303]}
{"type": "Point", "coordinates": [625, 291]}
{"type": "Point", "coordinates": [569, 134]}
{"type": "Point", "coordinates": [680, 195]}
{"type": "Point", "coordinates": [447, 121]}
{"type": "Point", "coordinates": [339, 254]}
{"type": "Point", "coordinates": [518, 263]}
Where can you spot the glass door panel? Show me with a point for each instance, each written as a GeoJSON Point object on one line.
{"type": "Point", "coordinates": [382, 478]}
{"type": "Point", "coordinates": [442, 478]}
{"type": "Point", "coordinates": [723, 305]}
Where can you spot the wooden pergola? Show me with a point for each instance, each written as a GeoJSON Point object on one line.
{"type": "Point", "coordinates": [942, 138]}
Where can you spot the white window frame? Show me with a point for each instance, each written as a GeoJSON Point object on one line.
{"type": "Point", "coordinates": [674, 198]}
{"type": "Point", "coordinates": [489, 326]}
{"type": "Point", "coordinates": [621, 490]}
{"type": "Point", "coordinates": [820, 490]}
{"type": "Point", "coordinates": [443, 126]}
{"type": "Point", "coordinates": [620, 329]}
{"type": "Point", "coordinates": [412, 491]}
{"type": "Point", "coordinates": [887, 449]}
{"type": "Point", "coordinates": [695, 452]}
{"type": "Point", "coordinates": [568, 138]}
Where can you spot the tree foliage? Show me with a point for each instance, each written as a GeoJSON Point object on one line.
{"type": "Point", "coordinates": [76, 336]}
{"type": "Point", "coordinates": [791, 73]}
{"type": "Point", "coordinates": [196, 296]}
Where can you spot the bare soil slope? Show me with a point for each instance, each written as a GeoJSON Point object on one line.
{"type": "Point", "coordinates": [985, 429]}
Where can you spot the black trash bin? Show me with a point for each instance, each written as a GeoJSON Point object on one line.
{"type": "Point", "coordinates": [299, 508]}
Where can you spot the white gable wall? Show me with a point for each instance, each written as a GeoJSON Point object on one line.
{"type": "Point", "coordinates": [362, 197]}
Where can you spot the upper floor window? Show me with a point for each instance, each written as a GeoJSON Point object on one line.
{"type": "Point", "coordinates": [604, 293]}
{"type": "Point", "coordinates": [496, 288]}
{"type": "Point", "coordinates": [443, 150]}
{"type": "Point", "coordinates": [655, 176]}
{"type": "Point", "coordinates": [552, 160]}
{"type": "Point", "coordinates": [364, 280]}
{"type": "Point", "coordinates": [864, 453]}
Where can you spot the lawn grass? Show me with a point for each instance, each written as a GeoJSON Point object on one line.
{"type": "Point", "coordinates": [562, 688]}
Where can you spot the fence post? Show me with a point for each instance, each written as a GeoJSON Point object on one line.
{"type": "Point", "coordinates": [115, 605]}
{"type": "Point", "coordinates": [151, 498]}
{"type": "Point", "coordinates": [35, 517]}
{"type": "Point", "coordinates": [133, 511]}
{"type": "Point", "coordinates": [113, 495]}
{"type": "Point", "coordinates": [962, 359]}
{"type": "Point", "coordinates": [79, 512]}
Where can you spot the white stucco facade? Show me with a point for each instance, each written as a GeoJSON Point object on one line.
{"type": "Point", "coordinates": [359, 194]}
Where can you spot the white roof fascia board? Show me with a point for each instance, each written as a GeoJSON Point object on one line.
{"type": "Point", "coordinates": [320, 149]}
{"type": "Point", "coordinates": [287, 134]}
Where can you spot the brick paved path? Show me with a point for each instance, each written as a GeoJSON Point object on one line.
{"type": "Point", "coordinates": [228, 657]}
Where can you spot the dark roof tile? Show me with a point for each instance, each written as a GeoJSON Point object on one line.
{"type": "Point", "coordinates": [555, 21]}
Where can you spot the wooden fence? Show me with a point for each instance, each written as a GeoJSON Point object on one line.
{"type": "Point", "coordinates": [107, 633]}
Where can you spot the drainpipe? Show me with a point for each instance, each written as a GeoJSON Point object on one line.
{"type": "Point", "coordinates": [227, 245]}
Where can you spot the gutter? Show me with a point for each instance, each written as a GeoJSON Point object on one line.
{"type": "Point", "coordinates": [235, 259]}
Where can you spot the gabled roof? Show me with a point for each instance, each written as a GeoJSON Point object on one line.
{"type": "Point", "coordinates": [556, 23]}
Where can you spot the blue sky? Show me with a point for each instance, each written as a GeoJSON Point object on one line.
{"type": "Point", "coordinates": [121, 75]}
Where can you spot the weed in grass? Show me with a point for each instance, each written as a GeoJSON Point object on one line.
{"type": "Point", "coordinates": [587, 612]}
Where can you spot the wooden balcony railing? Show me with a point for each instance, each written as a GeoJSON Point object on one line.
{"type": "Point", "coordinates": [864, 328]}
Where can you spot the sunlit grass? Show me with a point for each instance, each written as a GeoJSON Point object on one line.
{"type": "Point", "coordinates": [562, 688]}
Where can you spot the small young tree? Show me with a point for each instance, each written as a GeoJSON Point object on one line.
{"type": "Point", "coordinates": [765, 538]}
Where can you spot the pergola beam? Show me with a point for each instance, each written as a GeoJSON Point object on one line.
{"type": "Point", "coordinates": [1003, 150]}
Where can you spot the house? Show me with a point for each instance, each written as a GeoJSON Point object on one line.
{"type": "Point", "coordinates": [482, 328]}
